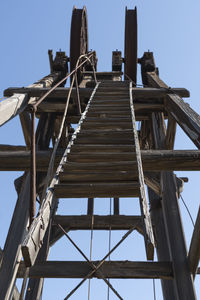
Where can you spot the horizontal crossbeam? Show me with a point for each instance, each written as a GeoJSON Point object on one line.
{"type": "Point", "coordinates": [153, 160]}
{"type": "Point", "coordinates": [112, 269]}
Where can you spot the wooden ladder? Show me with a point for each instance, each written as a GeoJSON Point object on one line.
{"type": "Point", "coordinates": [103, 158]}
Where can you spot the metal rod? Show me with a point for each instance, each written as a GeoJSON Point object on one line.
{"type": "Point", "coordinates": [32, 208]}
{"type": "Point", "coordinates": [62, 80]}
{"type": "Point", "coordinates": [100, 263]}
{"type": "Point", "coordinates": [78, 95]}
{"type": "Point", "coordinates": [90, 263]}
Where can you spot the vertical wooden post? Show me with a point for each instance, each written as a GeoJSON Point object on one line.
{"type": "Point", "coordinates": [175, 236]}
{"type": "Point", "coordinates": [153, 136]}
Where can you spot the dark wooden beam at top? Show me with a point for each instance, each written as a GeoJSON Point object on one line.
{"type": "Point", "coordinates": [86, 92]}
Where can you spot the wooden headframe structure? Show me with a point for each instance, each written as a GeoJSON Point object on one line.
{"type": "Point", "coordinates": [98, 152]}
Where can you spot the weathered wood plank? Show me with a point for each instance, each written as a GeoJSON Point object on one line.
{"type": "Point", "coordinates": [83, 222]}
{"type": "Point", "coordinates": [97, 189]}
{"type": "Point", "coordinates": [112, 269]}
{"type": "Point", "coordinates": [194, 251]}
{"type": "Point", "coordinates": [26, 127]}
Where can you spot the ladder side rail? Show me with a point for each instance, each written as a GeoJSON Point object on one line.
{"type": "Point", "coordinates": [32, 242]}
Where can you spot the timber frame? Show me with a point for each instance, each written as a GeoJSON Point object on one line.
{"type": "Point", "coordinates": [148, 159]}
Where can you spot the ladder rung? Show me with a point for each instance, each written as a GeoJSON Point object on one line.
{"type": "Point", "coordinates": [98, 190]}
{"type": "Point", "coordinates": [97, 176]}
{"type": "Point", "coordinates": [101, 156]}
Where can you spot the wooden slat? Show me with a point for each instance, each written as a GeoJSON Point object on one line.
{"type": "Point", "coordinates": [83, 222]}
{"type": "Point", "coordinates": [94, 176]}
{"type": "Point", "coordinates": [102, 166]}
{"type": "Point", "coordinates": [97, 189]}
{"type": "Point", "coordinates": [112, 269]}
{"type": "Point", "coordinates": [106, 125]}
{"type": "Point", "coordinates": [101, 156]}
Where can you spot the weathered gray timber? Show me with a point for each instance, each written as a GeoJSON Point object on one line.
{"type": "Point", "coordinates": [26, 127]}
{"type": "Point", "coordinates": [184, 115]}
{"type": "Point", "coordinates": [148, 230]}
{"type": "Point", "coordinates": [152, 160]}
{"type": "Point", "coordinates": [175, 236]}
{"type": "Point", "coordinates": [83, 222]}
{"type": "Point", "coordinates": [194, 251]}
{"type": "Point", "coordinates": [12, 250]}
{"type": "Point", "coordinates": [115, 222]}
{"type": "Point", "coordinates": [16, 104]}
{"type": "Point", "coordinates": [112, 269]}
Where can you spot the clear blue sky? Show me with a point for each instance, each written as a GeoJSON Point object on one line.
{"type": "Point", "coordinates": [168, 28]}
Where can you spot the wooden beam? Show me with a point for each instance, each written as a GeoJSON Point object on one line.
{"type": "Point", "coordinates": [86, 92]}
{"type": "Point", "coordinates": [58, 93]}
{"type": "Point", "coordinates": [175, 235]}
{"type": "Point", "coordinates": [16, 104]}
{"type": "Point", "coordinates": [180, 111]}
{"type": "Point", "coordinates": [148, 229]}
{"type": "Point", "coordinates": [12, 251]}
{"type": "Point", "coordinates": [35, 285]}
{"type": "Point", "coordinates": [112, 269]}
{"type": "Point", "coordinates": [185, 116]}
{"type": "Point", "coordinates": [153, 136]}
{"type": "Point", "coordinates": [171, 133]}
{"type": "Point", "coordinates": [153, 160]}
{"type": "Point", "coordinates": [194, 251]}
{"type": "Point", "coordinates": [26, 127]}
{"type": "Point", "coordinates": [83, 222]}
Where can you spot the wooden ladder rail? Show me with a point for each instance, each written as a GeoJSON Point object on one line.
{"type": "Point", "coordinates": [148, 231]}
{"type": "Point", "coordinates": [32, 241]}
